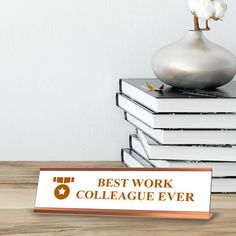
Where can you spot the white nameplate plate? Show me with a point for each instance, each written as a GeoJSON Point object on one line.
{"type": "Point", "coordinates": [140, 192]}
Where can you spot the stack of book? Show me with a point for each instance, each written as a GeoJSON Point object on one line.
{"type": "Point", "coordinates": [181, 128]}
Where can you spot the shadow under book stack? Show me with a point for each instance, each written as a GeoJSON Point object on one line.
{"type": "Point", "coordinates": [181, 128]}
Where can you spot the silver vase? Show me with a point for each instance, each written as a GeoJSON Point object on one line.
{"type": "Point", "coordinates": [194, 63]}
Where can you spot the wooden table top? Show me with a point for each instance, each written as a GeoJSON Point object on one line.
{"type": "Point", "coordinates": [18, 182]}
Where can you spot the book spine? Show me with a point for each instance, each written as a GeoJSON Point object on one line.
{"type": "Point", "coordinates": [117, 99]}
{"type": "Point", "coordinates": [122, 155]}
{"type": "Point", "coordinates": [122, 158]}
{"type": "Point", "coordinates": [130, 142]}
{"type": "Point", "coordinates": [120, 85]}
{"type": "Point", "coordinates": [125, 116]}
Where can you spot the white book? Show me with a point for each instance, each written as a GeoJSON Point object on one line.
{"type": "Point", "coordinates": [220, 169]}
{"type": "Point", "coordinates": [130, 158]}
{"type": "Point", "coordinates": [181, 152]}
{"type": "Point", "coordinates": [173, 136]}
{"type": "Point", "coordinates": [177, 100]}
{"type": "Point", "coordinates": [176, 121]}
{"type": "Point", "coordinates": [219, 185]}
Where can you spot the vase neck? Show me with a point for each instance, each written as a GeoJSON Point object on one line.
{"type": "Point", "coordinates": [193, 36]}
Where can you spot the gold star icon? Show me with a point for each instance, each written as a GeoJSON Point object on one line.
{"type": "Point", "coordinates": [62, 191]}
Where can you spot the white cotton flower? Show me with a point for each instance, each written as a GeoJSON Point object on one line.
{"type": "Point", "coordinates": [220, 9]}
{"type": "Point", "coordinates": [193, 5]}
{"type": "Point", "coordinates": [207, 9]}
{"type": "Point", "coordinates": [204, 9]}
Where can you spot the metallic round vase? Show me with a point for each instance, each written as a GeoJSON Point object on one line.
{"type": "Point", "coordinates": [194, 63]}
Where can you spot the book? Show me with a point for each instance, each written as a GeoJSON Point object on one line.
{"type": "Point", "coordinates": [220, 168]}
{"type": "Point", "coordinates": [156, 151]}
{"type": "Point", "coordinates": [176, 100]}
{"type": "Point", "coordinates": [219, 185]}
{"type": "Point", "coordinates": [178, 120]}
{"type": "Point", "coordinates": [130, 158]}
{"type": "Point", "coordinates": [173, 136]}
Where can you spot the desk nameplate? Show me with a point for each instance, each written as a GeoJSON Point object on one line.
{"type": "Point", "coordinates": [138, 192]}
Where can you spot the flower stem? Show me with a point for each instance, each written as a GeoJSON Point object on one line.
{"type": "Point", "coordinates": [196, 22]}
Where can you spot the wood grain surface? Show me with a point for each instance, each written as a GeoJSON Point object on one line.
{"type": "Point", "coordinates": [18, 182]}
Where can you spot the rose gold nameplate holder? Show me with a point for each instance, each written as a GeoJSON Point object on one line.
{"type": "Point", "coordinates": [132, 192]}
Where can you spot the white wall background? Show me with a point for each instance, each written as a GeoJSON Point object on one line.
{"type": "Point", "coordinates": [60, 61]}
